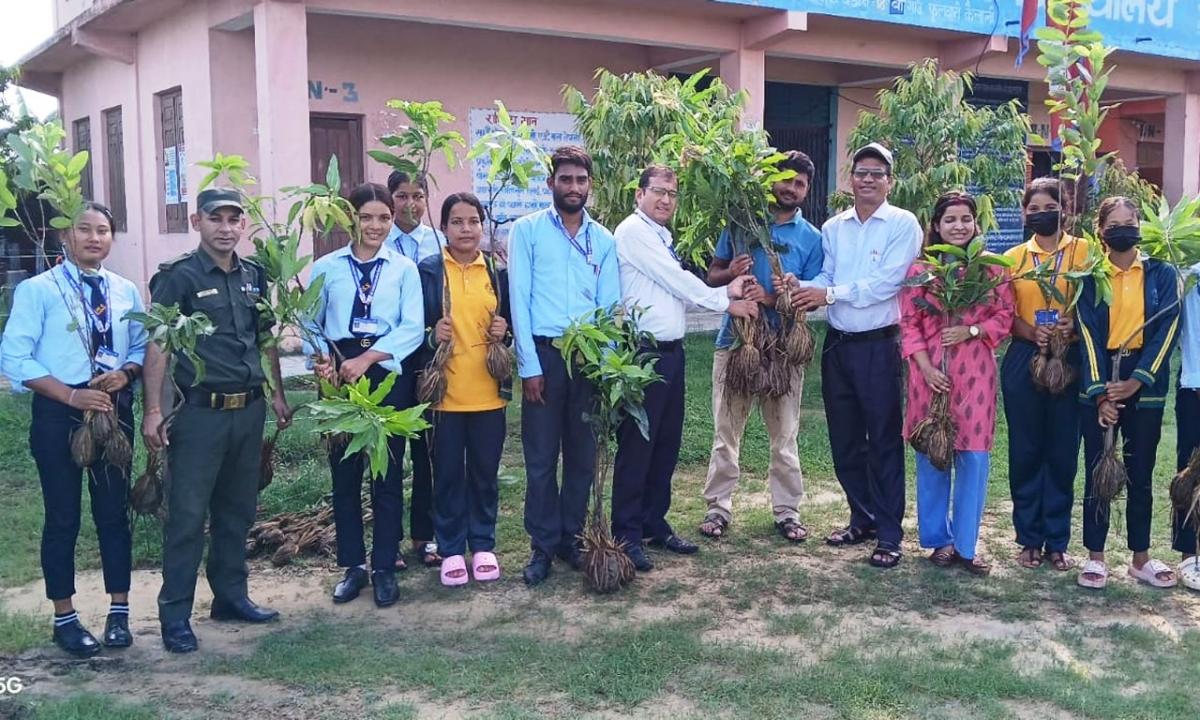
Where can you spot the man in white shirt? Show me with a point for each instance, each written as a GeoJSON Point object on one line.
{"type": "Point", "coordinates": [868, 250]}
{"type": "Point", "coordinates": [652, 278]}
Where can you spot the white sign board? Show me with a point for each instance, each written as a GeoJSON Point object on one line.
{"type": "Point", "coordinates": [550, 130]}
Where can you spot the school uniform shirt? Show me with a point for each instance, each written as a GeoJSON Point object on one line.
{"type": "Point", "coordinates": [421, 243]}
{"type": "Point", "coordinates": [45, 334]}
{"type": "Point", "coordinates": [800, 253]}
{"type": "Point", "coordinates": [1189, 336]}
{"type": "Point", "coordinates": [1099, 322]}
{"type": "Point", "coordinates": [554, 279]}
{"type": "Point", "coordinates": [1071, 254]}
{"type": "Point", "coordinates": [1128, 310]}
{"type": "Point", "coordinates": [470, 387]}
{"type": "Point", "coordinates": [865, 264]}
{"type": "Point", "coordinates": [653, 279]}
{"type": "Point", "coordinates": [394, 314]}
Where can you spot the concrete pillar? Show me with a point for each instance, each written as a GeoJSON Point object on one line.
{"type": "Point", "coordinates": [1181, 161]}
{"type": "Point", "coordinates": [281, 83]}
{"type": "Point", "coordinates": [745, 69]}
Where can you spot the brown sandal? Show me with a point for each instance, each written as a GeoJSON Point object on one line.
{"type": "Point", "coordinates": [944, 557]}
{"type": "Point", "coordinates": [1061, 561]}
{"type": "Point", "coordinates": [714, 525]}
{"type": "Point", "coordinates": [792, 530]}
{"type": "Point", "coordinates": [1030, 558]}
{"type": "Point", "coordinates": [975, 566]}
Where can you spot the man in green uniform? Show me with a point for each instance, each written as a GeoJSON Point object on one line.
{"type": "Point", "coordinates": [215, 438]}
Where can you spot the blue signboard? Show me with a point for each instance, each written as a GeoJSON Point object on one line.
{"type": "Point", "coordinates": [1155, 27]}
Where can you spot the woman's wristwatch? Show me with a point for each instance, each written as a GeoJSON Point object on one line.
{"type": "Point", "coordinates": [974, 330]}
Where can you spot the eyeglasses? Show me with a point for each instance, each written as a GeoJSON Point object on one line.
{"type": "Point", "coordinates": [663, 192]}
{"type": "Point", "coordinates": [873, 173]}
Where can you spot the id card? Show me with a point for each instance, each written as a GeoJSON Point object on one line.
{"type": "Point", "coordinates": [107, 359]}
{"type": "Point", "coordinates": [364, 326]}
{"type": "Point", "coordinates": [1046, 317]}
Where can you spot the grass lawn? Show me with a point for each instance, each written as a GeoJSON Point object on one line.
{"type": "Point", "coordinates": [749, 628]}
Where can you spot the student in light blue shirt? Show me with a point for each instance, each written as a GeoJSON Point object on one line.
{"type": "Point", "coordinates": [1187, 424]}
{"type": "Point", "coordinates": [416, 241]}
{"type": "Point", "coordinates": [69, 341]}
{"type": "Point", "coordinates": [371, 314]}
{"type": "Point", "coordinates": [408, 235]}
{"type": "Point", "coordinates": [562, 265]}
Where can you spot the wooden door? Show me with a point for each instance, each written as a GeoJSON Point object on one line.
{"type": "Point", "coordinates": [341, 136]}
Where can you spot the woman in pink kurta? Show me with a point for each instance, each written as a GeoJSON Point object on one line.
{"type": "Point", "coordinates": [969, 344]}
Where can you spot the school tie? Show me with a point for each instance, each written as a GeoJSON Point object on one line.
{"type": "Point", "coordinates": [100, 313]}
{"type": "Point", "coordinates": [365, 272]}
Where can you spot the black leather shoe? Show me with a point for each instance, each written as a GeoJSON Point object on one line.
{"type": "Point", "coordinates": [386, 592]}
{"type": "Point", "coordinates": [242, 609]}
{"type": "Point", "coordinates": [178, 637]}
{"type": "Point", "coordinates": [537, 569]}
{"type": "Point", "coordinates": [571, 555]}
{"type": "Point", "coordinates": [75, 639]}
{"type": "Point", "coordinates": [351, 585]}
{"type": "Point", "coordinates": [116, 631]}
{"type": "Point", "coordinates": [637, 554]}
{"type": "Point", "coordinates": [676, 544]}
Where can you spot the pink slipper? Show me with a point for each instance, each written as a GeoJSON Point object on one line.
{"type": "Point", "coordinates": [453, 564]}
{"type": "Point", "coordinates": [481, 560]}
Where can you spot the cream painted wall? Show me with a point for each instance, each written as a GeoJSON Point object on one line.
{"type": "Point", "coordinates": [461, 67]}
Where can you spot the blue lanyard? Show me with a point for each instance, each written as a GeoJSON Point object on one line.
{"type": "Point", "coordinates": [400, 245]}
{"type": "Point", "coordinates": [365, 291]}
{"type": "Point", "coordinates": [584, 250]}
{"type": "Point", "coordinates": [1037, 262]}
{"type": "Point", "coordinates": [670, 248]}
{"type": "Point", "coordinates": [101, 325]}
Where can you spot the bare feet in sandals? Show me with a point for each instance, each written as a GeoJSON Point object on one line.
{"type": "Point", "coordinates": [714, 525]}
{"type": "Point", "coordinates": [792, 530]}
{"type": "Point", "coordinates": [1030, 558]}
{"type": "Point", "coordinates": [1061, 561]}
{"type": "Point", "coordinates": [944, 556]}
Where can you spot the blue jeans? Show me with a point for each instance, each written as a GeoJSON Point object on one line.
{"type": "Point", "coordinates": [938, 527]}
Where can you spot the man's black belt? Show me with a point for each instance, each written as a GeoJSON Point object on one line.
{"type": "Point", "coordinates": [543, 341]}
{"type": "Point", "coordinates": [351, 345]}
{"type": "Point", "coordinates": [222, 401]}
{"type": "Point", "coordinates": [882, 333]}
{"type": "Point", "coordinates": [664, 346]}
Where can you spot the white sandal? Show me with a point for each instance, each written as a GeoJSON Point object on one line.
{"type": "Point", "coordinates": [1093, 567]}
{"type": "Point", "coordinates": [1189, 573]}
{"type": "Point", "coordinates": [1150, 572]}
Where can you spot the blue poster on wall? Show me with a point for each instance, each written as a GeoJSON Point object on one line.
{"type": "Point", "coordinates": [1155, 27]}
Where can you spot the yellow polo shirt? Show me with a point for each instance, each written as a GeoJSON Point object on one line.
{"type": "Point", "coordinates": [1128, 309]}
{"type": "Point", "coordinates": [1029, 255]}
{"type": "Point", "coordinates": [469, 386]}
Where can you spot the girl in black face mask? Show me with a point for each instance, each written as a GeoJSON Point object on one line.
{"type": "Point", "coordinates": [1113, 335]}
{"type": "Point", "coordinates": [1043, 427]}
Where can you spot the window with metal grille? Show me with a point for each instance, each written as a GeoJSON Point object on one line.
{"type": "Point", "coordinates": [81, 132]}
{"type": "Point", "coordinates": [173, 179]}
{"type": "Point", "coordinates": [114, 164]}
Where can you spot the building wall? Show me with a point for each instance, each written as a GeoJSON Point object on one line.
{"type": "Point", "coordinates": [66, 10]}
{"type": "Point", "coordinates": [461, 67]}
{"type": "Point", "coordinates": [90, 89]}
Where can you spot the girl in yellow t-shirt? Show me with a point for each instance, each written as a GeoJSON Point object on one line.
{"type": "Point", "coordinates": [468, 424]}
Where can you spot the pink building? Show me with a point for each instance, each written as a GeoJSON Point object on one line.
{"type": "Point", "coordinates": [150, 86]}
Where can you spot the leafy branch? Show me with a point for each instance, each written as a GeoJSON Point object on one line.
{"type": "Point", "coordinates": [514, 160]}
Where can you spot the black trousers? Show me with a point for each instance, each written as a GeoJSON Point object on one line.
{"type": "Point", "coordinates": [62, 496]}
{"type": "Point", "coordinates": [641, 490]}
{"type": "Point", "coordinates": [861, 387]}
{"type": "Point", "coordinates": [387, 493]}
{"type": "Point", "coordinates": [1187, 429]}
{"type": "Point", "coordinates": [466, 459]}
{"type": "Point", "coordinates": [420, 509]}
{"type": "Point", "coordinates": [1043, 451]}
{"type": "Point", "coordinates": [215, 458]}
{"type": "Point", "coordinates": [1139, 430]}
{"type": "Point", "coordinates": [553, 515]}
